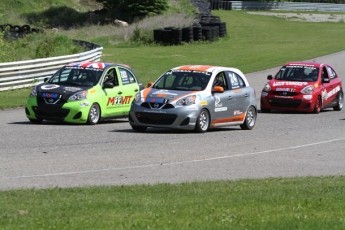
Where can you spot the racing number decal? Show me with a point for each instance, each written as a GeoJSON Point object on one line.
{"type": "Point", "coordinates": [119, 100]}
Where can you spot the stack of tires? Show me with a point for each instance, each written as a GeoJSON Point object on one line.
{"type": "Point", "coordinates": [220, 5]}
{"type": "Point", "coordinates": [209, 28]}
{"type": "Point", "coordinates": [16, 31]}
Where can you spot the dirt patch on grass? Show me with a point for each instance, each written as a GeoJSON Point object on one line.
{"type": "Point", "coordinates": [305, 17]}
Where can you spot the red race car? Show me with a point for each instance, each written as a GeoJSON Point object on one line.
{"type": "Point", "coordinates": [303, 87]}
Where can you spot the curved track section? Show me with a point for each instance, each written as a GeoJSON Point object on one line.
{"type": "Point", "coordinates": [110, 153]}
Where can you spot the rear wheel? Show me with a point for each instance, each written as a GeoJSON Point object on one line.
{"type": "Point", "coordinates": [317, 107]}
{"type": "Point", "coordinates": [139, 128]}
{"type": "Point", "coordinates": [94, 114]}
{"type": "Point", "coordinates": [250, 119]}
{"type": "Point", "coordinates": [202, 122]}
{"type": "Point", "coordinates": [340, 99]}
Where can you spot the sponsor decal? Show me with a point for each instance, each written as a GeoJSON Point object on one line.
{"type": "Point", "coordinates": [155, 100]}
{"type": "Point", "coordinates": [50, 95]}
{"type": "Point", "coordinates": [326, 95]}
{"type": "Point", "coordinates": [119, 100]}
{"type": "Point", "coordinates": [72, 89]}
{"type": "Point", "coordinates": [285, 89]}
{"type": "Point", "coordinates": [264, 94]}
{"type": "Point", "coordinates": [220, 109]}
{"type": "Point", "coordinates": [237, 112]}
{"type": "Point", "coordinates": [93, 91]}
{"type": "Point", "coordinates": [48, 87]}
{"type": "Point", "coordinates": [83, 104]}
{"type": "Point", "coordinates": [217, 102]}
{"type": "Point", "coordinates": [292, 83]}
{"type": "Point", "coordinates": [237, 90]}
{"type": "Point", "coordinates": [316, 85]}
{"type": "Point", "coordinates": [163, 93]}
{"type": "Point", "coordinates": [203, 102]}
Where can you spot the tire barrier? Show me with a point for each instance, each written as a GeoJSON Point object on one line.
{"type": "Point", "coordinates": [17, 31]}
{"type": "Point", "coordinates": [220, 5]}
{"type": "Point", "coordinates": [209, 28]}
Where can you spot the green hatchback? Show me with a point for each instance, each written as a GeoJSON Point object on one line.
{"type": "Point", "coordinates": [84, 93]}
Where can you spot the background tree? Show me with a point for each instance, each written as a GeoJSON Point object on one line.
{"type": "Point", "coordinates": [131, 10]}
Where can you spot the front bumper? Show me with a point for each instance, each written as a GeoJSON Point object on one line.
{"type": "Point", "coordinates": [72, 112]}
{"type": "Point", "coordinates": [302, 103]}
{"type": "Point", "coordinates": [175, 118]}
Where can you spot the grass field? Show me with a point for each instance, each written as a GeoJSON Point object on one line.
{"type": "Point", "coordinates": [253, 43]}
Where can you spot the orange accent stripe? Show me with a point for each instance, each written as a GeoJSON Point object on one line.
{"type": "Point", "coordinates": [229, 119]}
{"type": "Point", "coordinates": [146, 92]}
{"type": "Point", "coordinates": [195, 67]}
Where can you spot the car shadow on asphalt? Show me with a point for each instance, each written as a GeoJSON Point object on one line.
{"type": "Point", "coordinates": [59, 123]}
{"type": "Point", "coordinates": [177, 131]}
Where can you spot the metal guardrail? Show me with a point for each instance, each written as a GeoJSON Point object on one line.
{"type": "Point", "coordinates": [289, 6]}
{"type": "Point", "coordinates": [21, 74]}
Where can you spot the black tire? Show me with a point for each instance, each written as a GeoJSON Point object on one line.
{"type": "Point", "coordinates": [139, 128]}
{"type": "Point", "coordinates": [318, 105]}
{"type": "Point", "coordinates": [265, 110]}
{"type": "Point", "coordinates": [250, 120]}
{"type": "Point", "coordinates": [340, 101]}
{"type": "Point", "coordinates": [94, 114]}
{"type": "Point", "coordinates": [202, 122]}
{"type": "Point", "coordinates": [35, 121]}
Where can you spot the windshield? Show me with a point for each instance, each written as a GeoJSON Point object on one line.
{"type": "Point", "coordinates": [298, 73]}
{"type": "Point", "coordinates": [183, 80]}
{"type": "Point", "coordinates": [76, 76]}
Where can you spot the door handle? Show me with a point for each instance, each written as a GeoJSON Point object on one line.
{"type": "Point", "coordinates": [120, 92]}
{"type": "Point", "coordinates": [136, 90]}
{"type": "Point", "coordinates": [246, 95]}
{"type": "Point", "coordinates": [229, 98]}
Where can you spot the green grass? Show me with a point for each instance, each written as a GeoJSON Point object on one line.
{"type": "Point", "coordinates": [275, 203]}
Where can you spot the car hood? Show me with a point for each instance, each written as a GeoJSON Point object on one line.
{"type": "Point", "coordinates": [64, 90]}
{"type": "Point", "coordinates": [163, 95]}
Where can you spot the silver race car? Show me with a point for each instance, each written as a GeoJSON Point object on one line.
{"type": "Point", "coordinates": [195, 97]}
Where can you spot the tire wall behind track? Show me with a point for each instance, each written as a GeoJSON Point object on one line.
{"type": "Point", "coordinates": [21, 74]}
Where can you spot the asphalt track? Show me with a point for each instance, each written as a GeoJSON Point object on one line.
{"type": "Point", "coordinates": [281, 145]}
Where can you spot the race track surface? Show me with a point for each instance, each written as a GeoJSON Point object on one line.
{"type": "Point", "coordinates": [281, 145]}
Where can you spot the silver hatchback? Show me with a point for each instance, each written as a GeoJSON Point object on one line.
{"type": "Point", "coordinates": [195, 97]}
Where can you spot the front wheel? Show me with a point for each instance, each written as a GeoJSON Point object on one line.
{"type": "Point", "coordinates": [94, 114]}
{"type": "Point", "coordinates": [317, 107]}
{"type": "Point", "coordinates": [340, 99]}
{"type": "Point", "coordinates": [249, 121]}
{"type": "Point", "coordinates": [202, 122]}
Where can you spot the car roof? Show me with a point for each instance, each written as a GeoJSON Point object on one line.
{"type": "Point", "coordinates": [95, 65]}
{"type": "Point", "coordinates": [205, 68]}
{"type": "Point", "coordinates": [304, 63]}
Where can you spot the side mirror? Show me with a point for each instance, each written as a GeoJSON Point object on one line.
{"type": "Point", "coordinates": [218, 89]}
{"type": "Point", "coordinates": [269, 77]}
{"type": "Point", "coordinates": [149, 84]}
{"type": "Point", "coordinates": [45, 79]}
{"type": "Point", "coordinates": [325, 80]}
{"type": "Point", "coordinates": [108, 85]}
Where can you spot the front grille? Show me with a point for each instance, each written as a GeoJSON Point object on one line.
{"type": "Point", "coordinates": [150, 105]}
{"type": "Point", "coordinates": [43, 101]}
{"type": "Point", "coordinates": [156, 118]}
{"type": "Point", "coordinates": [284, 93]}
{"type": "Point", "coordinates": [285, 103]}
{"type": "Point", "coordinates": [50, 113]}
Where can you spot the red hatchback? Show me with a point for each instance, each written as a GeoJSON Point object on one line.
{"type": "Point", "coordinates": [304, 87]}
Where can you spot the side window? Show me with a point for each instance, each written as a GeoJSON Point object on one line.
{"type": "Point", "coordinates": [331, 73]}
{"type": "Point", "coordinates": [220, 80]}
{"type": "Point", "coordinates": [126, 76]}
{"type": "Point", "coordinates": [111, 76]}
{"type": "Point", "coordinates": [236, 81]}
{"type": "Point", "coordinates": [324, 73]}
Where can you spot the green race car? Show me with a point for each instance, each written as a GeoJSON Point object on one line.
{"type": "Point", "coordinates": [84, 93]}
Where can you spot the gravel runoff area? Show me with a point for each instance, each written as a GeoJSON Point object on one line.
{"type": "Point", "coordinates": [305, 17]}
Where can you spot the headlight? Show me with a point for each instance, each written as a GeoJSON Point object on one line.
{"type": "Point", "coordinates": [78, 96]}
{"type": "Point", "coordinates": [137, 97]}
{"type": "Point", "coordinates": [33, 92]}
{"type": "Point", "coordinates": [308, 89]}
{"type": "Point", "coordinates": [189, 100]}
{"type": "Point", "coordinates": [267, 87]}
